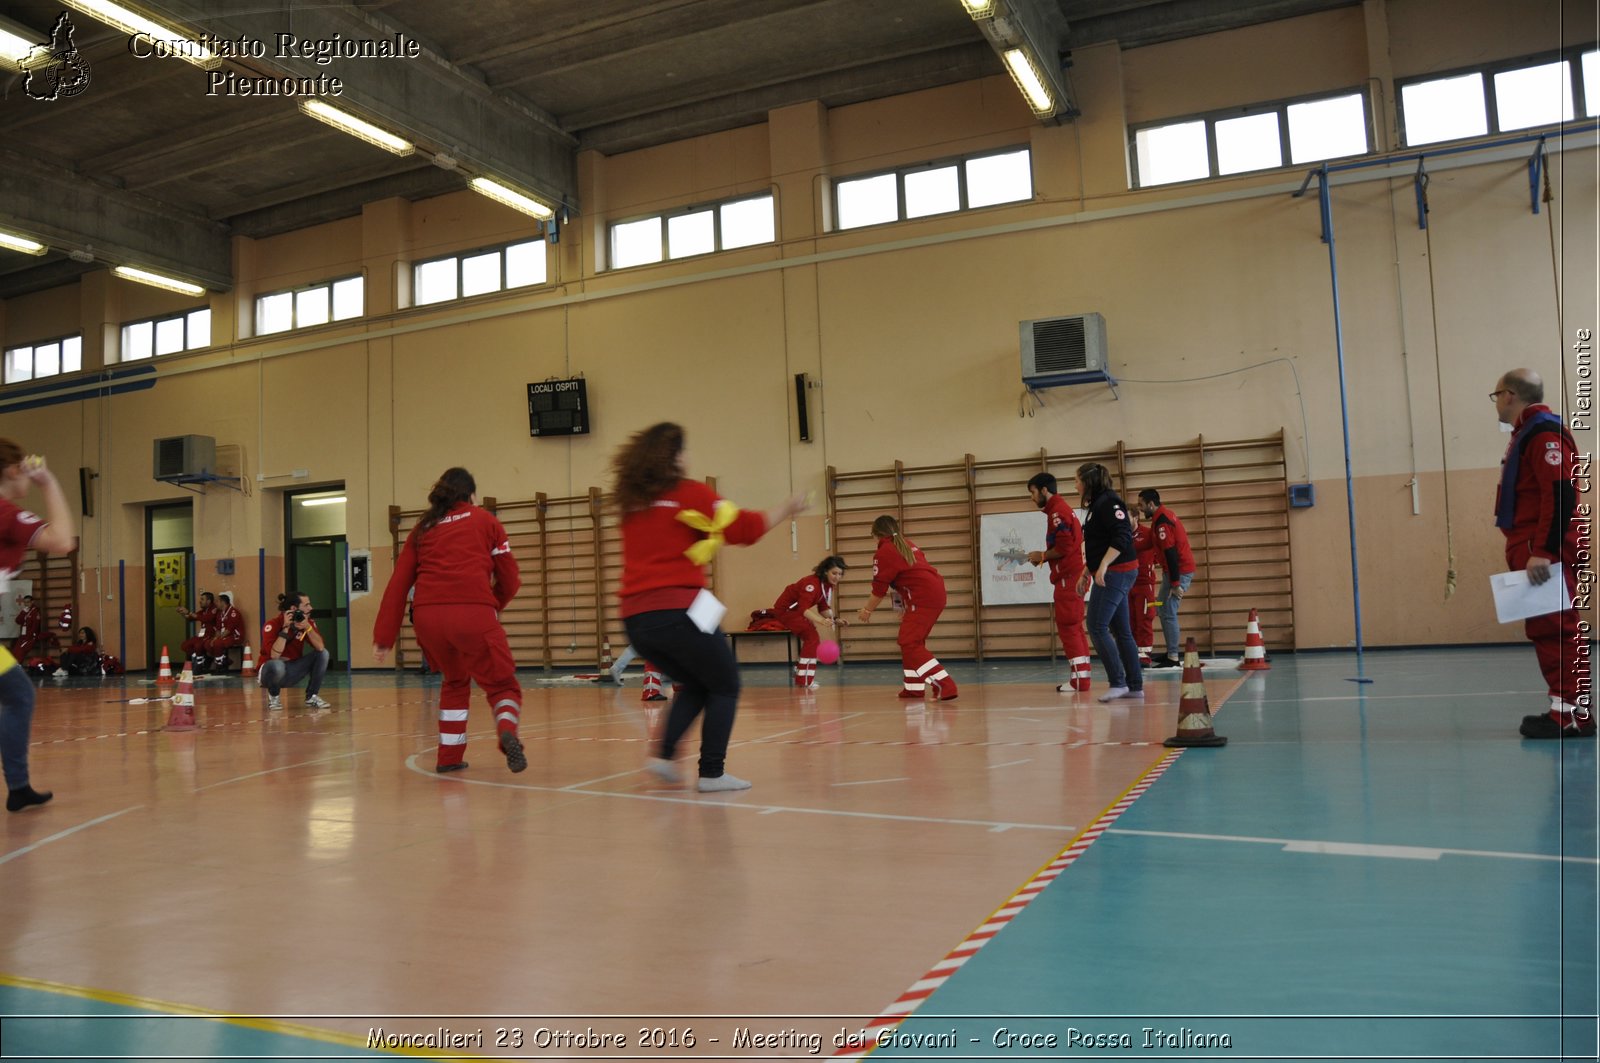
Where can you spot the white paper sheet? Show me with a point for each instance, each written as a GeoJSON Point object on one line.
{"type": "Point", "coordinates": [707, 612]}
{"type": "Point", "coordinates": [1517, 599]}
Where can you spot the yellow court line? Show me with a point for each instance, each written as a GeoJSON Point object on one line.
{"type": "Point", "coordinates": [310, 1033]}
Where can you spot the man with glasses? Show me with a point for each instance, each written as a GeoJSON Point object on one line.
{"type": "Point", "coordinates": [1536, 509]}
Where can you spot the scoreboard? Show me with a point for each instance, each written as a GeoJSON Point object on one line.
{"type": "Point", "coordinates": [558, 408]}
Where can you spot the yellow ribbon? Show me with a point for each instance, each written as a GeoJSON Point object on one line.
{"type": "Point", "coordinates": [722, 515]}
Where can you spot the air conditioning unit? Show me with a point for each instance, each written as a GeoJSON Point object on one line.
{"type": "Point", "coordinates": [185, 458]}
{"type": "Point", "coordinates": [1064, 350]}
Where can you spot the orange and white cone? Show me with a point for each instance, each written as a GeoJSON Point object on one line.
{"type": "Point", "coordinates": [181, 718]}
{"type": "Point", "coordinates": [249, 666]}
{"type": "Point", "coordinates": [605, 655]}
{"type": "Point", "coordinates": [1255, 647]}
{"type": "Point", "coordinates": [164, 673]}
{"type": "Point", "coordinates": [1194, 710]}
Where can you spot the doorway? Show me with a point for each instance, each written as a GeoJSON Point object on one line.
{"type": "Point", "coordinates": [317, 561]}
{"type": "Point", "coordinates": [169, 566]}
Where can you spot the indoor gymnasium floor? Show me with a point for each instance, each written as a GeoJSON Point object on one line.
{"type": "Point", "coordinates": [1365, 871]}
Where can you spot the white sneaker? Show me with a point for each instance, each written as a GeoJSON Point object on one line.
{"type": "Point", "coordinates": [1132, 695]}
{"type": "Point", "coordinates": [662, 769]}
{"type": "Point", "coordinates": [59, 673]}
{"type": "Point", "coordinates": [1066, 688]}
{"type": "Point", "coordinates": [811, 687]}
{"type": "Point", "coordinates": [722, 783]}
{"type": "Point", "coordinates": [1114, 693]}
{"type": "Point", "coordinates": [315, 702]}
{"type": "Point", "coordinates": [274, 701]}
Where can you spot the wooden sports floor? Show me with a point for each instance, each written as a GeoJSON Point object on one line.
{"type": "Point", "coordinates": [998, 871]}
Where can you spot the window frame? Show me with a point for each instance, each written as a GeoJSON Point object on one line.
{"type": "Point", "coordinates": [33, 346]}
{"type": "Point", "coordinates": [1572, 56]}
{"type": "Point", "coordinates": [959, 162]}
{"type": "Point", "coordinates": [154, 322]}
{"type": "Point", "coordinates": [294, 295]}
{"type": "Point", "coordinates": [460, 257]}
{"type": "Point", "coordinates": [1278, 106]}
{"type": "Point", "coordinates": [663, 217]}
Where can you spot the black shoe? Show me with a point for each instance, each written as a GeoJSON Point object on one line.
{"type": "Point", "coordinates": [511, 746]}
{"type": "Point", "coordinates": [1163, 662]}
{"type": "Point", "coordinates": [1544, 727]}
{"type": "Point", "coordinates": [26, 796]}
{"type": "Point", "coordinates": [445, 769]}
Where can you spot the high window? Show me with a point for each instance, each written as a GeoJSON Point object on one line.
{"type": "Point", "coordinates": [1263, 136]}
{"type": "Point", "coordinates": [47, 358]}
{"type": "Point", "coordinates": [1500, 97]}
{"type": "Point", "coordinates": [315, 304]}
{"type": "Point", "coordinates": [166, 335]}
{"type": "Point", "coordinates": [934, 188]}
{"type": "Point", "coordinates": [698, 230]}
{"type": "Point", "coordinates": [490, 269]}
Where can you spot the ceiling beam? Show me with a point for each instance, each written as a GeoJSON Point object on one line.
{"type": "Point", "coordinates": [1160, 22]}
{"type": "Point", "coordinates": [73, 214]}
{"type": "Point", "coordinates": [444, 108]}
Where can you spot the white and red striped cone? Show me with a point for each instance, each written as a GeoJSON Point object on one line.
{"type": "Point", "coordinates": [249, 666]}
{"type": "Point", "coordinates": [1255, 647]}
{"type": "Point", "coordinates": [1194, 710]}
{"type": "Point", "coordinates": [164, 673]}
{"type": "Point", "coordinates": [605, 655]}
{"type": "Point", "coordinates": [181, 718]}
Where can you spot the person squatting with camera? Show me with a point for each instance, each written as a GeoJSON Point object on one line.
{"type": "Point", "coordinates": [293, 650]}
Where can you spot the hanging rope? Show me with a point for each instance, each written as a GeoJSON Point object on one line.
{"type": "Point", "coordinates": [1549, 200]}
{"type": "Point", "coordinates": [1438, 368]}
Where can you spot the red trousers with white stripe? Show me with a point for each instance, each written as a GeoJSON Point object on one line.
{"type": "Point", "coordinates": [919, 664]}
{"type": "Point", "coordinates": [805, 667]}
{"type": "Point", "coordinates": [1558, 642]}
{"type": "Point", "coordinates": [466, 643]}
{"type": "Point", "coordinates": [1074, 639]}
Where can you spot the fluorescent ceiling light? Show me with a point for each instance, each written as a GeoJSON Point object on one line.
{"type": "Point", "coordinates": [156, 280]}
{"type": "Point", "coordinates": [1029, 81]}
{"type": "Point", "coordinates": [17, 42]}
{"type": "Point", "coordinates": [326, 500]}
{"type": "Point", "coordinates": [979, 8]}
{"type": "Point", "coordinates": [13, 242]}
{"type": "Point", "coordinates": [349, 123]}
{"type": "Point", "coordinates": [133, 24]}
{"type": "Point", "coordinates": [511, 198]}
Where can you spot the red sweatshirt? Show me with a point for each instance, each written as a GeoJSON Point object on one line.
{"type": "Point", "coordinates": [916, 580]}
{"type": "Point", "coordinates": [464, 559]}
{"type": "Point", "coordinates": [656, 571]}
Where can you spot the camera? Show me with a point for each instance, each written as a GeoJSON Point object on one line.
{"type": "Point", "coordinates": [298, 616]}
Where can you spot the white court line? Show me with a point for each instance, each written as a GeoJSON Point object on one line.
{"type": "Point", "coordinates": [1397, 852]}
{"type": "Point", "coordinates": [70, 830]}
{"type": "Point", "coordinates": [1385, 697]}
{"type": "Point", "coordinates": [1011, 763]}
{"type": "Point", "coordinates": [456, 777]}
{"type": "Point", "coordinates": [873, 782]}
{"type": "Point", "coordinates": [286, 767]}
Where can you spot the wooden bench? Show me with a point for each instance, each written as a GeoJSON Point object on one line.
{"type": "Point", "coordinates": [790, 642]}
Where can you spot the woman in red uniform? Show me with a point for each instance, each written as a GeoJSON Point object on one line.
{"type": "Point", "coordinates": [21, 531]}
{"type": "Point", "coordinates": [460, 561]}
{"type": "Point", "coordinates": [205, 629]}
{"type": "Point", "coordinates": [227, 632]}
{"type": "Point", "coordinates": [672, 526]}
{"type": "Point", "coordinates": [900, 566]}
{"type": "Point", "coordinates": [30, 627]}
{"type": "Point", "coordinates": [812, 593]}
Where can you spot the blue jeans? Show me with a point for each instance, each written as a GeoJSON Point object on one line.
{"type": "Point", "coordinates": [16, 725]}
{"type": "Point", "coordinates": [704, 665]}
{"type": "Point", "coordinates": [279, 673]}
{"type": "Point", "coordinates": [1111, 632]}
{"type": "Point", "coordinates": [1169, 611]}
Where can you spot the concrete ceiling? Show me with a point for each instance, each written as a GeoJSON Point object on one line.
{"type": "Point", "coordinates": [144, 166]}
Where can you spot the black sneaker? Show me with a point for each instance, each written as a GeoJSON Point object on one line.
{"type": "Point", "coordinates": [1544, 727]}
{"type": "Point", "coordinates": [1163, 662]}
{"type": "Point", "coordinates": [445, 769]}
{"type": "Point", "coordinates": [511, 746]}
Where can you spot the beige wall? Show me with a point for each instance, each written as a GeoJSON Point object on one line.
{"type": "Point", "coordinates": [1216, 294]}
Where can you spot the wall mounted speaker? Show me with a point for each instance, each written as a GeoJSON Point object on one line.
{"type": "Point", "coordinates": [86, 490]}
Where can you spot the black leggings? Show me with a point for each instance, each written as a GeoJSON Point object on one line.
{"type": "Point", "coordinates": [705, 667]}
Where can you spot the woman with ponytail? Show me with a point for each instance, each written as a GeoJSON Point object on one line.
{"type": "Point", "coordinates": [460, 562]}
{"type": "Point", "coordinates": [1111, 562]}
{"type": "Point", "coordinates": [899, 565]}
{"type": "Point", "coordinates": [672, 527]}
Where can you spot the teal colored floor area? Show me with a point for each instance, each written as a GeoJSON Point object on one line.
{"type": "Point", "coordinates": [1382, 870]}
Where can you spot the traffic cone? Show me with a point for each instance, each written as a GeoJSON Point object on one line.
{"type": "Point", "coordinates": [249, 666]}
{"type": "Point", "coordinates": [1194, 711]}
{"type": "Point", "coordinates": [181, 718]}
{"type": "Point", "coordinates": [164, 673]}
{"type": "Point", "coordinates": [605, 655]}
{"type": "Point", "coordinates": [1255, 648]}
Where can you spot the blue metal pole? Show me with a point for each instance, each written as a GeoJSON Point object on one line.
{"type": "Point", "coordinates": [1344, 416]}
{"type": "Point", "coordinates": [122, 612]}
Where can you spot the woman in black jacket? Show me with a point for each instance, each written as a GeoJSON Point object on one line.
{"type": "Point", "coordinates": [1110, 560]}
